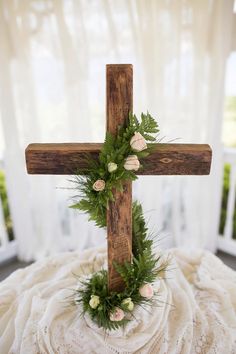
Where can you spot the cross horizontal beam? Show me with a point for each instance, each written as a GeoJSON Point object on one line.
{"type": "Point", "coordinates": [165, 159]}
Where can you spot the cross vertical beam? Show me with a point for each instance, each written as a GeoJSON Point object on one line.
{"type": "Point", "coordinates": [119, 93]}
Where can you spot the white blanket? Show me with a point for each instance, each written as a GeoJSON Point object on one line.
{"type": "Point", "coordinates": [196, 312]}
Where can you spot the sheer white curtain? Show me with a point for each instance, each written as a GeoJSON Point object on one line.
{"type": "Point", "coordinates": [52, 57]}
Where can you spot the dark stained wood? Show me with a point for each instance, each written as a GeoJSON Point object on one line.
{"type": "Point", "coordinates": [166, 159]}
{"type": "Point", "coordinates": [119, 97]}
{"type": "Point", "coordinates": [119, 87]}
{"type": "Point", "coordinates": [59, 159]}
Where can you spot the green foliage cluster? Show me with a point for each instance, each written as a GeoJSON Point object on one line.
{"type": "Point", "coordinates": [145, 266]}
{"type": "Point", "coordinates": [6, 211]}
{"type": "Point", "coordinates": [116, 150]}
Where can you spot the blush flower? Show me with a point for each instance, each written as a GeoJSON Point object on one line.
{"type": "Point", "coordinates": [132, 163]}
{"type": "Point", "coordinates": [99, 185]}
{"type": "Point", "coordinates": [146, 290]}
{"type": "Point", "coordinates": [138, 142]}
{"type": "Point", "coordinates": [117, 315]}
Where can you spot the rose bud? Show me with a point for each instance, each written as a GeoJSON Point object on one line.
{"type": "Point", "coordinates": [138, 142]}
{"type": "Point", "coordinates": [117, 314]}
{"type": "Point", "coordinates": [132, 163]}
{"type": "Point", "coordinates": [112, 166]}
{"type": "Point", "coordinates": [146, 290]}
{"type": "Point", "coordinates": [128, 304]}
{"type": "Point", "coordinates": [94, 301]}
{"type": "Point", "coordinates": [99, 185]}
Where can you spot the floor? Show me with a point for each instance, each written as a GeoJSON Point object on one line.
{"type": "Point", "coordinates": [10, 266]}
{"type": "Point", "coordinates": [229, 260]}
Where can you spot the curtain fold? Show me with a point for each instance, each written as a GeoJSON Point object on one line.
{"type": "Point", "coordinates": [52, 89]}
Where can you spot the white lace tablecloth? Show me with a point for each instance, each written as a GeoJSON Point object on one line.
{"type": "Point", "coordinates": [196, 312]}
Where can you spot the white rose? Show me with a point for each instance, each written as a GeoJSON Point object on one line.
{"type": "Point", "coordinates": [138, 142]}
{"type": "Point", "coordinates": [117, 315]}
{"type": "Point", "coordinates": [132, 163]}
{"type": "Point", "coordinates": [112, 166]}
{"type": "Point", "coordinates": [146, 290]}
{"type": "Point", "coordinates": [99, 185]}
{"type": "Point", "coordinates": [128, 304]}
{"type": "Point", "coordinates": [94, 301]}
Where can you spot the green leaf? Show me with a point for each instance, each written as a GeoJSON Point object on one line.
{"type": "Point", "coordinates": [74, 206]}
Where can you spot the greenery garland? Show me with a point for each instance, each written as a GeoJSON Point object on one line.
{"type": "Point", "coordinates": [118, 160]}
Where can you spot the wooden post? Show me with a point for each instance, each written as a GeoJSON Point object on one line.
{"type": "Point", "coordinates": [119, 81]}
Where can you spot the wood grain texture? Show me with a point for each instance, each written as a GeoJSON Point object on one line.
{"type": "Point", "coordinates": [166, 159]}
{"type": "Point", "coordinates": [119, 95]}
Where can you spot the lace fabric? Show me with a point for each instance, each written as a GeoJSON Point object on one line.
{"type": "Point", "coordinates": [196, 310]}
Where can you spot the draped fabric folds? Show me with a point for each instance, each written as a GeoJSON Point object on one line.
{"type": "Point", "coordinates": [52, 89]}
{"type": "Point", "coordinates": [194, 312]}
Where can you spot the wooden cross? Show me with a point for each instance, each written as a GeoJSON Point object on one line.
{"type": "Point", "coordinates": [167, 159]}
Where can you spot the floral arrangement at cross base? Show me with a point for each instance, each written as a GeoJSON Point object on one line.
{"type": "Point", "coordinates": [119, 159]}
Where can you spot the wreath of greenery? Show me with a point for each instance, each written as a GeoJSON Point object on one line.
{"type": "Point", "coordinates": [117, 161]}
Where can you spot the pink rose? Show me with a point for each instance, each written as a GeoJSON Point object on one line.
{"type": "Point", "coordinates": [132, 163]}
{"type": "Point", "coordinates": [99, 185]}
{"type": "Point", "coordinates": [138, 142]}
{"type": "Point", "coordinates": [117, 314]}
{"type": "Point", "coordinates": [146, 290]}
